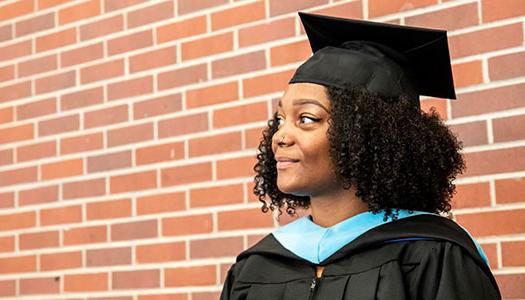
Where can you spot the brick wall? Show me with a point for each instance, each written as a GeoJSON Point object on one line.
{"type": "Point", "coordinates": [128, 131]}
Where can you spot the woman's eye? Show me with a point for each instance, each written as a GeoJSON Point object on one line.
{"type": "Point", "coordinates": [307, 117]}
{"type": "Point", "coordinates": [313, 120]}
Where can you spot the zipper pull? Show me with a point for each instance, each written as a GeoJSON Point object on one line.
{"type": "Point", "coordinates": [314, 282]}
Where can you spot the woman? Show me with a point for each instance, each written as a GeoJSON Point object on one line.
{"type": "Point", "coordinates": [349, 141]}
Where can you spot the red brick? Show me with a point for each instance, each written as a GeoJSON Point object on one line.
{"type": "Point", "coordinates": [501, 222]}
{"type": "Point", "coordinates": [38, 195]}
{"type": "Point", "coordinates": [108, 257]}
{"type": "Point", "coordinates": [220, 195]}
{"type": "Point", "coordinates": [16, 176]}
{"type": "Point", "coordinates": [60, 169]}
{"type": "Point", "coordinates": [378, 8]}
{"type": "Point", "coordinates": [6, 158]}
{"type": "Point", "coordinates": [190, 276]}
{"type": "Point", "coordinates": [134, 230]}
{"type": "Point", "coordinates": [488, 100]}
{"type": "Point", "coordinates": [102, 71]}
{"type": "Point", "coordinates": [510, 190]}
{"type": "Point", "coordinates": [239, 64]}
{"type": "Point", "coordinates": [493, 10]}
{"type": "Point", "coordinates": [507, 66]}
{"type": "Point", "coordinates": [181, 296]}
{"type": "Point", "coordinates": [7, 73]}
{"type": "Point", "coordinates": [159, 153]}
{"type": "Point", "coordinates": [45, 285]}
{"type": "Point", "coordinates": [38, 65]}
{"type": "Point", "coordinates": [130, 134]}
{"type": "Point", "coordinates": [238, 115]}
{"type": "Point", "coordinates": [244, 219]}
{"type": "Point", "coordinates": [494, 161]}
{"type": "Point", "coordinates": [187, 6]}
{"type": "Point", "coordinates": [235, 167]}
{"type": "Point", "coordinates": [56, 40]}
{"type": "Point", "coordinates": [7, 199]}
{"type": "Point", "coordinates": [187, 225]}
{"type": "Point", "coordinates": [18, 264]}
{"type": "Point", "coordinates": [471, 195]}
{"type": "Point", "coordinates": [81, 143]}
{"type": "Point", "coordinates": [61, 215]}
{"type": "Point", "coordinates": [136, 279]}
{"type": "Point", "coordinates": [80, 11]}
{"type": "Point", "coordinates": [84, 188]}
{"type": "Point", "coordinates": [7, 244]}
{"type": "Point", "coordinates": [85, 235]}
{"type": "Point", "coordinates": [15, 50]}
{"type": "Point", "coordinates": [16, 9]}
{"type": "Point", "coordinates": [43, 4]}
{"type": "Point", "coordinates": [108, 209]}
{"type": "Point", "coordinates": [486, 40]}
{"type": "Point", "coordinates": [7, 288]}
{"type": "Point", "coordinates": [150, 14]}
{"type": "Point", "coordinates": [130, 88]}
{"type": "Point", "coordinates": [207, 46]}
{"type": "Point", "coordinates": [112, 5]}
{"type": "Point", "coordinates": [35, 24]}
{"type": "Point", "coordinates": [166, 252]}
{"type": "Point", "coordinates": [351, 10]}
{"type": "Point", "coordinates": [229, 246]}
{"type": "Point", "coordinates": [86, 282]}
{"type": "Point", "coordinates": [509, 129]}
{"type": "Point", "coordinates": [511, 285]}
{"type": "Point", "coordinates": [266, 32]}
{"type": "Point", "coordinates": [183, 125]}
{"type": "Point", "coordinates": [130, 42]}
{"type": "Point", "coordinates": [39, 240]}
{"type": "Point", "coordinates": [471, 134]}
{"type": "Point", "coordinates": [167, 202]}
{"type": "Point", "coordinates": [182, 76]}
{"type": "Point", "coordinates": [449, 18]}
{"type": "Point", "coordinates": [180, 29]}
{"type": "Point", "coordinates": [205, 295]}
{"type": "Point", "coordinates": [15, 91]}
{"type": "Point", "coordinates": [109, 161]}
{"type": "Point", "coordinates": [60, 261]}
{"type": "Point", "coordinates": [81, 55]}
{"type": "Point", "coordinates": [278, 7]}
{"type": "Point", "coordinates": [290, 53]}
{"type": "Point", "coordinates": [36, 151]}
{"type": "Point", "coordinates": [157, 106]}
{"type": "Point", "coordinates": [106, 116]}
{"type": "Point", "coordinates": [153, 59]}
{"type": "Point", "coordinates": [238, 15]}
{"type": "Point", "coordinates": [512, 254]}
{"type": "Point", "coordinates": [7, 115]}
{"type": "Point", "coordinates": [210, 95]}
{"type": "Point", "coordinates": [209, 145]}
{"type": "Point", "coordinates": [101, 27]}
{"type": "Point", "coordinates": [17, 220]}
{"type": "Point", "coordinates": [252, 137]}
{"type": "Point", "coordinates": [186, 174]}
{"type": "Point", "coordinates": [133, 182]}
{"type": "Point", "coordinates": [36, 109]}
{"type": "Point", "coordinates": [267, 83]}
{"type": "Point", "coordinates": [55, 82]}
{"type": "Point", "coordinates": [5, 32]}
{"type": "Point", "coordinates": [468, 73]}
{"type": "Point", "coordinates": [492, 254]}
{"type": "Point", "coordinates": [83, 98]}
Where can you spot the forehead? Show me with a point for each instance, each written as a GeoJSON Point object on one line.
{"type": "Point", "coordinates": [303, 94]}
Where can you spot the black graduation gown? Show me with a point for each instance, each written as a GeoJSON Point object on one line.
{"type": "Point", "coordinates": [446, 265]}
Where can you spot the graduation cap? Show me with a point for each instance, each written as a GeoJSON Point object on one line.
{"type": "Point", "coordinates": [388, 59]}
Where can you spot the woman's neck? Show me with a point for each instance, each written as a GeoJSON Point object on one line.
{"type": "Point", "coordinates": [330, 209]}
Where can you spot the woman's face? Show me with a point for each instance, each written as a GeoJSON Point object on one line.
{"type": "Point", "coordinates": [302, 115]}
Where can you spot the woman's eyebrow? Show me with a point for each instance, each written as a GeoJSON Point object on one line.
{"type": "Point", "coordinates": [306, 101]}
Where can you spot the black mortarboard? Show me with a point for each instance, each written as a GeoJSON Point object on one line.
{"type": "Point", "coordinates": [388, 59]}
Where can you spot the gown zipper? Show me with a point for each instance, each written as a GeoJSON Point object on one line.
{"type": "Point", "coordinates": [313, 285]}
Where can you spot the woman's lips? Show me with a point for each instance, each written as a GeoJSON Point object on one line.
{"type": "Point", "coordinates": [284, 164]}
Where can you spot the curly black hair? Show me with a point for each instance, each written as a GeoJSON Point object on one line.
{"type": "Point", "coordinates": [396, 155]}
